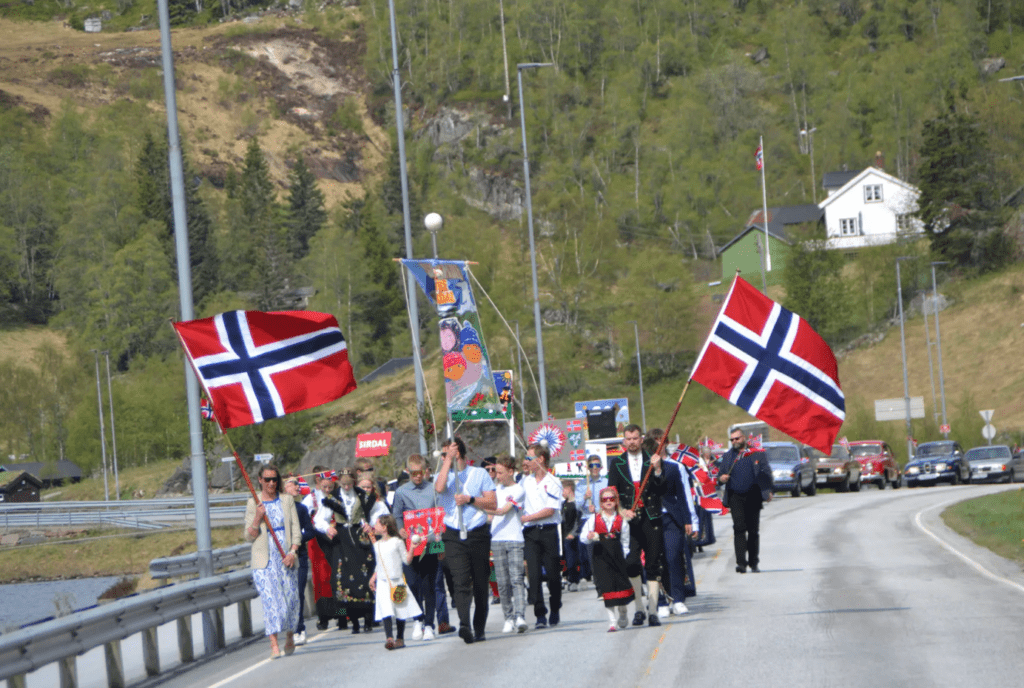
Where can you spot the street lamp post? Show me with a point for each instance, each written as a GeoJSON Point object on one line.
{"type": "Point", "coordinates": [903, 349]}
{"type": "Point", "coordinates": [533, 250]}
{"type": "Point", "coordinates": [938, 343]}
{"type": "Point", "coordinates": [519, 367]}
{"type": "Point", "coordinates": [414, 321]}
{"type": "Point", "coordinates": [640, 375]}
{"type": "Point", "coordinates": [103, 433]}
{"type": "Point", "coordinates": [113, 433]}
{"type": "Point", "coordinates": [433, 222]}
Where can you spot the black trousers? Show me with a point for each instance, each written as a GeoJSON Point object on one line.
{"type": "Point", "coordinates": [645, 536]}
{"type": "Point", "coordinates": [469, 563]}
{"type": "Point", "coordinates": [540, 548]}
{"type": "Point", "coordinates": [421, 577]}
{"type": "Point", "coordinates": [746, 523]}
{"type": "Point", "coordinates": [303, 575]}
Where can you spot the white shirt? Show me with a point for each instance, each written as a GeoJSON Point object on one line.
{"type": "Point", "coordinates": [543, 494]}
{"type": "Point", "coordinates": [589, 527]}
{"type": "Point", "coordinates": [636, 467]}
{"type": "Point", "coordinates": [508, 527]}
{"type": "Point", "coordinates": [321, 514]}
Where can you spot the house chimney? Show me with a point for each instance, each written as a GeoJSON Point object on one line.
{"type": "Point", "coordinates": [879, 160]}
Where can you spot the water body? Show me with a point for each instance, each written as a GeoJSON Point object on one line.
{"type": "Point", "coordinates": [24, 603]}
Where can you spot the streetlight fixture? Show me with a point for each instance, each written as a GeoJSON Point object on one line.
{"type": "Point", "coordinates": [433, 222]}
{"type": "Point", "coordinates": [640, 375]}
{"type": "Point", "coordinates": [533, 250]}
{"type": "Point", "coordinates": [414, 321]}
{"type": "Point", "coordinates": [903, 349]}
{"type": "Point", "coordinates": [938, 334]}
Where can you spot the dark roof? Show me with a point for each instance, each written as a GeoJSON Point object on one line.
{"type": "Point", "coordinates": [59, 469]}
{"type": "Point", "coordinates": [9, 477]}
{"type": "Point", "coordinates": [778, 218]}
{"type": "Point", "coordinates": [836, 180]}
{"type": "Point", "coordinates": [392, 366]}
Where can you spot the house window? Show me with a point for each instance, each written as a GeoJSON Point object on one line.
{"type": "Point", "coordinates": [872, 193]}
{"type": "Point", "coordinates": [848, 227]}
{"type": "Point", "coordinates": [904, 222]}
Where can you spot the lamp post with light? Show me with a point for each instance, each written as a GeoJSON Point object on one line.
{"type": "Point", "coordinates": [433, 222]}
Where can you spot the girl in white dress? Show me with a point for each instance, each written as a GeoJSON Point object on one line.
{"type": "Point", "coordinates": [391, 554]}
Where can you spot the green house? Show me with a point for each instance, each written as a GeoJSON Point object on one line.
{"type": "Point", "coordinates": [786, 224]}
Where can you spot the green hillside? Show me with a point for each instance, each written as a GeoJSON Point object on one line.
{"type": "Point", "coordinates": [641, 139]}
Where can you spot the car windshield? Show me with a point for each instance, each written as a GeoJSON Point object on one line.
{"type": "Point", "coordinates": [839, 452]}
{"type": "Point", "coordinates": [988, 453]}
{"type": "Point", "coordinates": [859, 450]}
{"type": "Point", "coordinates": [935, 449]}
{"type": "Point", "coordinates": [782, 455]}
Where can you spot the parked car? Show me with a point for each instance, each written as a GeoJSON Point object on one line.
{"type": "Point", "coordinates": [838, 470]}
{"type": "Point", "coordinates": [877, 463]}
{"type": "Point", "coordinates": [996, 463]}
{"type": "Point", "coordinates": [791, 470]}
{"type": "Point", "coordinates": [937, 462]}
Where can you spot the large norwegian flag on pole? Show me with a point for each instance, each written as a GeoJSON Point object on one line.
{"type": "Point", "coordinates": [769, 362]}
{"type": "Point", "coordinates": [255, 366]}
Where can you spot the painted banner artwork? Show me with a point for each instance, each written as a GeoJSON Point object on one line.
{"type": "Point", "coordinates": [576, 466]}
{"type": "Point", "coordinates": [422, 526]}
{"type": "Point", "coordinates": [563, 437]}
{"type": "Point", "coordinates": [619, 406]}
{"type": "Point", "coordinates": [468, 381]}
{"type": "Point", "coordinates": [503, 383]}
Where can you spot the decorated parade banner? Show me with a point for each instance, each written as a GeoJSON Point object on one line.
{"type": "Point", "coordinates": [578, 467]}
{"type": "Point", "coordinates": [423, 528]}
{"type": "Point", "coordinates": [468, 381]}
{"type": "Point", "coordinates": [566, 438]}
{"type": "Point", "coordinates": [620, 407]}
{"type": "Point", "coordinates": [503, 383]}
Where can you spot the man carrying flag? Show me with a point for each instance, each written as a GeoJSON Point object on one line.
{"type": "Point", "coordinates": [747, 477]}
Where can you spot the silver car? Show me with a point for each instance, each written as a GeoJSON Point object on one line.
{"type": "Point", "coordinates": [996, 463]}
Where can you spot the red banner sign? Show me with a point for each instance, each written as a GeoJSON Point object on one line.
{"type": "Point", "coordinates": [373, 444]}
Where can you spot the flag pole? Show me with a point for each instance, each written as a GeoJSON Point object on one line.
{"type": "Point", "coordinates": [764, 207]}
{"type": "Point", "coordinates": [661, 444]}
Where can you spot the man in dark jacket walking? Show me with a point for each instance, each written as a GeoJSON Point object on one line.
{"type": "Point", "coordinates": [747, 477]}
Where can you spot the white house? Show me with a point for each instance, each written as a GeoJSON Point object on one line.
{"type": "Point", "coordinates": [868, 208]}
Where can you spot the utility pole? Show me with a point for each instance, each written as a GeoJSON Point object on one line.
{"type": "Point", "coordinates": [113, 434]}
{"type": "Point", "coordinates": [938, 346]}
{"type": "Point", "coordinates": [903, 349]}
{"type": "Point", "coordinates": [103, 434]}
{"type": "Point", "coordinates": [640, 375]}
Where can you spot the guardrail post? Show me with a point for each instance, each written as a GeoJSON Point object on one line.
{"type": "Point", "coordinates": [115, 664]}
{"type": "Point", "coordinates": [16, 681]}
{"type": "Point", "coordinates": [150, 652]}
{"type": "Point", "coordinates": [68, 672]}
{"type": "Point", "coordinates": [185, 647]}
{"type": "Point", "coordinates": [245, 618]}
{"type": "Point", "coordinates": [218, 627]}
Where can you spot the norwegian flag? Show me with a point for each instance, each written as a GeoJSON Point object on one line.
{"type": "Point", "coordinates": [759, 157]}
{"type": "Point", "coordinates": [303, 486]}
{"type": "Point", "coordinates": [704, 487]}
{"type": "Point", "coordinates": [768, 361]}
{"type": "Point", "coordinates": [754, 444]}
{"type": "Point", "coordinates": [713, 505]}
{"type": "Point", "coordinates": [205, 409]}
{"type": "Point", "coordinates": [254, 366]}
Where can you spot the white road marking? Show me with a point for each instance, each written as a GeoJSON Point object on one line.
{"type": "Point", "coordinates": [970, 562]}
{"type": "Point", "coordinates": [257, 665]}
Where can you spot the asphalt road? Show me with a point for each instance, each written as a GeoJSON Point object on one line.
{"type": "Point", "coordinates": [860, 590]}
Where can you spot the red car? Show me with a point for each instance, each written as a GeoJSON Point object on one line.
{"type": "Point", "coordinates": [878, 465]}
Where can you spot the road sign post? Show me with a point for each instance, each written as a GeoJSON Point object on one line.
{"type": "Point", "coordinates": [230, 461]}
{"type": "Point", "coordinates": [989, 431]}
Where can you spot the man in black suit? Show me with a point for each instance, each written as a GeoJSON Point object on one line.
{"type": "Point", "coordinates": [747, 477]}
{"type": "Point", "coordinates": [626, 473]}
{"type": "Point", "coordinates": [677, 524]}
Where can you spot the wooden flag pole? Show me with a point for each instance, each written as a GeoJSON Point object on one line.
{"type": "Point", "coordinates": [661, 445]}
{"type": "Point", "coordinates": [248, 481]}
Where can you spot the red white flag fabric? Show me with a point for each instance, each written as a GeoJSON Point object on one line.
{"type": "Point", "coordinates": [768, 361]}
{"type": "Point", "coordinates": [759, 158]}
{"type": "Point", "coordinates": [255, 365]}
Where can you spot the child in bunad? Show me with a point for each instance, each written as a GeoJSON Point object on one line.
{"type": "Point", "coordinates": [390, 551]}
{"type": "Point", "coordinates": [608, 532]}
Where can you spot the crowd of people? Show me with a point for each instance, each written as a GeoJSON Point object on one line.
{"type": "Point", "coordinates": [513, 535]}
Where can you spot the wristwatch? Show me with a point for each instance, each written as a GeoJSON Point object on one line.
{"type": "Point", "coordinates": [471, 500]}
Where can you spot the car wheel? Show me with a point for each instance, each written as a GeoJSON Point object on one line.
{"type": "Point", "coordinates": [855, 487]}
{"type": "Point", "coordinates": [795, 492]}
{"type": "Point", "coordinates": [897, 482]}
{"type": "Point", "coordinates": [845, 485]}
{"type": "Point", "coordinates": [882, 483]}
{"type": "Point", "coordinates": [956, 478]}
{"type": "Point", "coordinates": [812, 489]}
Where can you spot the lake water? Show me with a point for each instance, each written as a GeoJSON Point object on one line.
{"type": "Point", "coordinates": [22, 603]}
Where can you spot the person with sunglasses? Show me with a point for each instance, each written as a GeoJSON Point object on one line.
{"type": "Point", "coordinates": [747, 478]}
{"type": "Point", "coordinates": [274, 575]}
{"type": "Point", "coordinates": [608, 533]}
{"type": "Point", "coordinates": [421, 573]}
{"type": "Point", "coordinates": [588, 501]}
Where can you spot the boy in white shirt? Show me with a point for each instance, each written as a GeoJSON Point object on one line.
{"type": "Point", "coordinates": [507, 544]}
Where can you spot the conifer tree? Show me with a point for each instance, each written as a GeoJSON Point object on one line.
{"type": "Point", "coordinates": [306, 213]}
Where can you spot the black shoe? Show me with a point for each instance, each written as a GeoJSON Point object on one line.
{"type": "Point", "coordinates": [496, 600]}
{"type": "Point", "coordinates": [554, 618]}
{"type": "Point", "coordinates": [466, 635]}
{"type": "Point", "coordinates": [479, 638]}
{"type": "Point", "coordinates": [754, 569]}
{"type": "Point", "coordinates": [741, 569]}
{"type": "Point", "coordinates": [639, 618]}
{"type": "Point", "coordinates": [653, 620]}
{"type": "Point", "coordinates": [321, 625]}
{"type": "Point", "coordinates": [542, 622]}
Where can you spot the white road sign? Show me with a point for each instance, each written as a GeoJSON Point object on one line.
{"type": "Point", "coordinates": [986, 415]}
{"type": "Point", "coordinates": [263, 458]}
{"type": "Point", "coordinates": [896, 409]}
{"type": "Point", "coordinates": [989, 431]}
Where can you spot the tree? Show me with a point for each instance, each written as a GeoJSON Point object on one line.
{"type": "Point", "coordinates": [957, 202]}
{"type": "Point", "coordinates": [306, 213]}
{"type": "Point", "coordinates": [815, 289]}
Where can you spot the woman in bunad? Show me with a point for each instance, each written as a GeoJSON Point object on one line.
{"type": "Point", "coordinates": [327, 605]}
{"type": "Point", "coordinates": [608, 532]}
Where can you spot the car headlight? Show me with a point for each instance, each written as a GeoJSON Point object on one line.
{"type": "Point", "coordinates": [913, 470]}
{"type": "Point", "coordinates": [837, 471]}
{"type": "Point", "coordinates": [942, 466]}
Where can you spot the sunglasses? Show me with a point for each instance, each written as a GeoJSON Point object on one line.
{"type": "Point", "coordinates": [275, 479]}
{"type": "Point", "coordinates": [608, 499]}
{"type": "Point", "coordinates": [594, 465]}
{"type": "Point", "coordinates": [415, 474]}
{"type": "Point", "coordinates": [735, 439]}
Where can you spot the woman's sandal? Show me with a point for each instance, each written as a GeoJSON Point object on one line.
{"type": "Point", "coordinates": [389, 644]}
{"type": "Point", "coordinates": [289, 646]}
{"type": "Point", "coordinates": [399, 644]}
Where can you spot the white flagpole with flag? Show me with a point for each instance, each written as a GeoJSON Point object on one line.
{"type": "Point", "coordinates": [764, 206]}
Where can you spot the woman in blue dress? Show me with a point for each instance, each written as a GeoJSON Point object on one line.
{"type": "Point", "coordinates": [273, 575]}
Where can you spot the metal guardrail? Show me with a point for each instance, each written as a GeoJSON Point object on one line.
{"type": "Point", "coordinates": [188, 564]}
{"type": "Point", "coordinates": [141, 518]}
{"type": "Point", "coordinates": [123, 504]}
{"type": "Point", "coordinates": [62, 640]}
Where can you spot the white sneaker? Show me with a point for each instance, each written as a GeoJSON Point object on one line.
{"type": "Point", "coordinates": [417, 631]}
{"type": "Point", "coordinates": [663, 612]}
{"type": "Point", "coordinates": [428, 633]}
{"type": "Point", "coordinates": [678, 608]}
{"type": "Point", "coordinates": [623, 617]}
{"type": "Point", "coordinates": [299, 638]}
{"type": "Point", "coordinates": [509, 626]}
{"type": "Point", "coordinates": [520, 625]}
